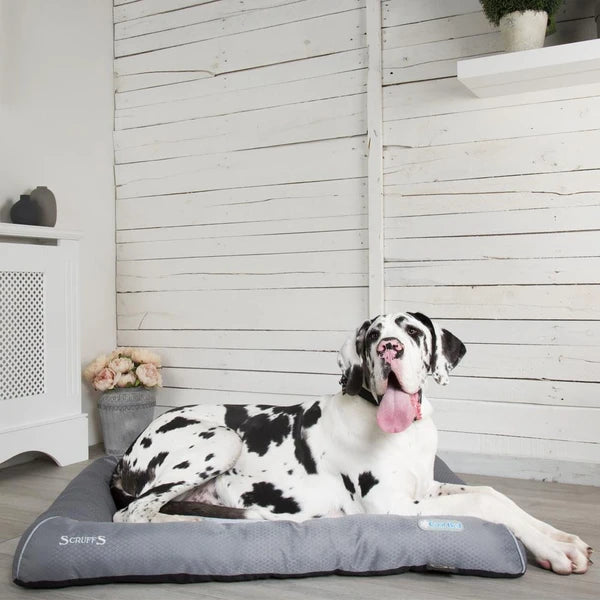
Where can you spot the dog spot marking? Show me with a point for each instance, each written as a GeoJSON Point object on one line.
{"type": "Point", "coordinates": [262, 431]}
{"type": "Point", "coordinates": [146, 442]}
{"type": "Point", "coordinates": [206, 434]}
{"type": "Point", "coordinates": [348, 485]}
{"type": "Point", "coordinates": [271, 426]}
{"type": "Point", "coordinates": [182, 465]}
{"type": "Point", "coordinates": [267, 495]}
{"type": "Point", "coordinates": [302, 450]}
{"type": "Point", "coordinates": [366, 481]}
{"type": "Point", "coordinates": [208, 456]}
{"type": "Point", "coordinates": [290, 472]}
{"type": "Point", "coordinates": [416, 502]}
{"type": "Point", "coordinates": [156, 461]}
{"type": "Point", "coordinates": [176, 423]}
{"type": "Point", "coordinates": [133, 481]}
{"type": "Point", "coordinates": [235, 415]}
{"type": "Point", "coordinates": [312, 415]}
{"type": "Point", "coordinates": [161, 489]}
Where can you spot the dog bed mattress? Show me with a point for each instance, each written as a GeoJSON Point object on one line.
{"type": "Point", "coordinates": [75, 542]}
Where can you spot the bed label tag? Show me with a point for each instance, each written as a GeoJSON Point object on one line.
{"type": "Point", "coordinates": [440, 525]}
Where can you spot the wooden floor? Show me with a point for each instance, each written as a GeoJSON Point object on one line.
{"type": "Point", "coordinates": [26, 490]}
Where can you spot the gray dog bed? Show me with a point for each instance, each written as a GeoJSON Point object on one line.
{"type": "Point", "coordinates": [75, 542]}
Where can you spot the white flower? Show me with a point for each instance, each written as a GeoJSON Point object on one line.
{"type": "Point", "coordinates": [90, 372]}
{"type": "Point", "coordinates": [126, 380]}
{"type": "Point", "coordinates": [121, 351]}
{"type": "Point", "coordinates": [142, 355]}
{"type": "Point", "coordinates": [121, 365]}
{"type": "Point", "coordinates": [149, 375]}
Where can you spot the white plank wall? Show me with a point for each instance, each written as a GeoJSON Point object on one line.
{"type": "Point", "coordinates": [240, 161]}
{"type": "Point", "coordinates": [245, 176]}
{"type": "Point", "coordinates": [492, 218]}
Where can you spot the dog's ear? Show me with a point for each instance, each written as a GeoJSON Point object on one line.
{"type": "Point", "coordinates": [446, 349]}
{"type": "Point", "coordinates": [350, 360]}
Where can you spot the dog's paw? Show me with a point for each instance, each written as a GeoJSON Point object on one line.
{"type": "Point", "coordinates": [564, 557]}
{"type": "Point", "coordinates": [569, 538]}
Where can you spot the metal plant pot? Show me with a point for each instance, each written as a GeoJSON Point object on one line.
{"type": "Point", "coordinates": [124, 414]}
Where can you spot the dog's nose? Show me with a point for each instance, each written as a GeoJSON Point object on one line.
{"type": "Point", "coordinates": [390, 349]}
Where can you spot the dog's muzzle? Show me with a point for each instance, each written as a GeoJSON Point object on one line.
{"type": "Point", "coordinates": [390, 349]}
{"type": "Point", "coordinates": [397, 408]}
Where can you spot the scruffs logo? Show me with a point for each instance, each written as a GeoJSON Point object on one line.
{"type": "Point", "coordinates": [94, 540]}
{"type": "Point", "coordinates": [440, 525]}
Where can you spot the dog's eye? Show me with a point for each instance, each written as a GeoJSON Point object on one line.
{"type": "Point", "coordinates": [372, 335]}
{"type": "Point", "coordinates": [412, 331]}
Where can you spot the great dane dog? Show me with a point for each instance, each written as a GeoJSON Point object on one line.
{"type": "Point", "coordinates": [370, 448]}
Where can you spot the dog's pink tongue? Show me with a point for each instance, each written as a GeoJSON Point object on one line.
{"type": "Point", "coordinates": [396, 411]}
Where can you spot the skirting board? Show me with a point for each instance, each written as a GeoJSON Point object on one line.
{"type": "Point", "coordinates": [64, 440]}
{"type": "Point", "coordinates": [523, 467]}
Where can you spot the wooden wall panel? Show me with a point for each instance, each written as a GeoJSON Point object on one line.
{"type": "Point", "coordinates": [492, 210]}
{"type": "Point", "coordinates": [240, 163]}
{"type": "Point", "coordinates": [220, 19]}
{"type": "Point", "coordinates": [242, 212]}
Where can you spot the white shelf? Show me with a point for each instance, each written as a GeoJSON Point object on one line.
{"type": "Point", "coordinates": [36, 232]}
{"type": "Point", "coordinates": [532, 70]}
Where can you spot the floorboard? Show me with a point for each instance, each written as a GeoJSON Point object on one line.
{"type": "Point", "coordinates": [28, 489]}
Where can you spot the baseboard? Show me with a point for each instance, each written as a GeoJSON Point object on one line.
{"type": "Point", "coordinates": [523, 467]}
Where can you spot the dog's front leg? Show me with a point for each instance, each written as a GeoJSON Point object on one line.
{"type": "Point", "coordinates": [444, 489]}
{"type": "Point", "coordinates": [563, 557]}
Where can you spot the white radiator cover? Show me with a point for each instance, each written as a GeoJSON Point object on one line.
{"type": "Point", "coordinates": [40, 369]}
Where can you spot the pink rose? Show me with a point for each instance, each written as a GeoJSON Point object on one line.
{"type": "Point", "coordinates": [106, 379]}
{"type": "Point", "coordinates": [121, 365]}
{"type": "Point", "coordinates": [148, 375]}
{"type": "Point", "coordinates": [126, 380]}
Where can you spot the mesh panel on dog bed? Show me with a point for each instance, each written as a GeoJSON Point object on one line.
{"type": "Point", "coordinates": [75, 542]}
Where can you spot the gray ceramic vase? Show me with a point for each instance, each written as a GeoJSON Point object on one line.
{"type": "Point", "coordinates": [47, 203]}
{"type": "Point", "coordinates": [26, 211]}
{"type": "Point", "coordinates": [124, 414]}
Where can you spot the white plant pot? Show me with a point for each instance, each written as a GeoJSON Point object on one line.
{"type": "Point", "coordinates": [524, 30]}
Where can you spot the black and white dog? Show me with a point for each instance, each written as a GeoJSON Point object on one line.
{"type": "Point", "coordinates": [368, 449]}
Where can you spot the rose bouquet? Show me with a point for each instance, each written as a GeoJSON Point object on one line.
{"type": "Point", "coordinates": [123, 368]}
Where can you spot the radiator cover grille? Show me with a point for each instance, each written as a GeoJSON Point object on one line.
{"type": "Point", "coordinates": [22, 334]}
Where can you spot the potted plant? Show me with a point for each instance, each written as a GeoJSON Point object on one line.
{"type": "Point", "coordinates": [523, 23]}
{"type": "Point", "coordinates": [127, 378]}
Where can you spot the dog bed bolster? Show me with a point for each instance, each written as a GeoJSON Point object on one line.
{"type": "Point", "coordinates": [75, 542]}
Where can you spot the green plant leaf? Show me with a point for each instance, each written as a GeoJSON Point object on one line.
{"type": "Point", "coordinates": [495, 9]}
